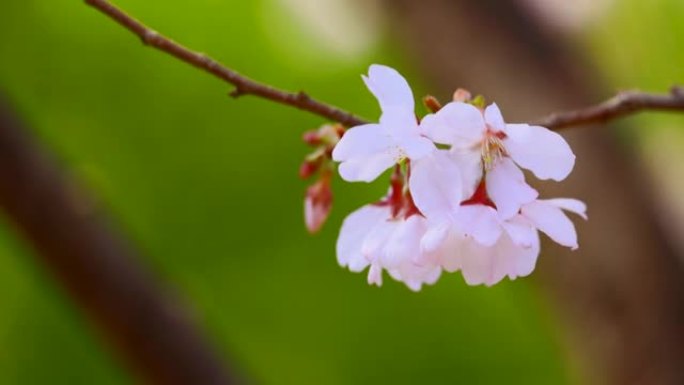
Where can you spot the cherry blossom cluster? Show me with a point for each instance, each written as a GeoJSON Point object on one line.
{"type": "Point", "coordinates": [458, 199]}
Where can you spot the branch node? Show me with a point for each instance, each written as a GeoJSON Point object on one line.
{"type": "Point", "coordinates": [302, 97]}
{"type": "Point", "coordinates": [237, 92]}
{"type": "Point", "coordinates": [149, 36]}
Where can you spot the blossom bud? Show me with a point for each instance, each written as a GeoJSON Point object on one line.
{"type": "Point", "coordinates": [431, 103]}
{"type": "Point", "coordinates": [312, 138]}
{"type": "Point", "coordinates": [326, 135]}
{"type": "Point", "coordinates": [462, 95]}
{"type": "Point", "coordinates": [330, 134]}
{"type": "Point", "coordinates": [317, 204]}
{"type": "Point", "coordinates": [308, 168]}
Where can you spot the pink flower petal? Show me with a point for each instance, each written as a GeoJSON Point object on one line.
{"type": "Point", "coordinates": [470, 164]}
{"type": "Point", "coordinates": [416, 147]}
{"type": "Point", "coordinates": [450, 254]}
{"type": "Point", "coordinates": [435, 236]}
{"type": "Point", "coordinates": [459, 124]}
{"type": "Point", "coordinates": [489, 265]}
{"type": "Point", "coordinates": [539, 150]}
{"type": "Point", "coordinates": [480, 222]}
{"type": "Point", "coordinates": [366, 169]}
{"type": "Point", "coordinates": [375, 275]}
{"type": "Point", "coordinates": [521, 231]}
{"type": "Point", "coordinates": [362, 141]}
{"type": "Point", "coordinates": [404, 242]}
{"type": "Point", "coordinates": [389, 87]}
{"type": "Point", "coordinates": [515, 261]}
{"type": "Point", "coordinates": [435, 185]}
{"type": "Point", "coordinates": [477, 264]}
{"type": "Point", "coordinates": [551, 220]}
{"type": "Point", "coordinates": [507, 188]}
{"type": "Point", "coordinates": [568, 204]}
{"type": "Point", "coordinates": [354, 230]}
{"type": "Point", "coordinates": [494, 119]}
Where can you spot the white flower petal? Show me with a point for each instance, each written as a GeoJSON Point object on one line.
{"type": "Point", "coordinates": [573, 205]}
{"type": "Point", "coordinates": [403, 245]}
{"type": "Point", "coordinates": [375, 241]}
{"type": "Point", "coordinates": [521, 231]}
{"type": "Point", "coordinates": [389, 87]}
{"type": "Point", "coordinates": [513, 260]}
{"type": "Point", "coordinates": [470, 164]}
{"type": "Point", "coordinates": [450, 254]}
{"type": "Point", "coordinates": [477, 265]}
{"type": "Point", "coordinates": [480, 222]}
{"type": "Point", "coordinates": [354, 230]}
{"type": "Point", "coordinates": [403, 128]}
{"type": "Point", "coordinates": [362, 141]}
{"type": "Point", "coordinates": [458, 124]}
{"type": "Point", "coordinates": [494, 119]}
{"type": "Point", "coordinates": [415, 277]}
{"type": "Point", "coordinates": [435, 236]}
{"type": "Point", "coordinates": [539, 150]}
{"type": "Point", "coordinates": [399, 121]}
{"type": "Point", "coordinates": [506, 187]}
{"type": "Point", "coordinates": [375, 275]}
{"type": "Point", "coordinates": [416, 147]}
{"type": "Point", "coordinates": [366, 169]}
{"type": "Point", "coordinates": [551, 220]}
{"type": "Point", "coordinates": [435, 185]}
{"type": "Point", "coordinates": [489, 265]}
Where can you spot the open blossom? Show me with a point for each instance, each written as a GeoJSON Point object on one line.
{"type": "Point", "coordinates": [515, 251]}
{"type": "Point", "coordinates": [366, 151]}
{"type": "Point", "coordinates": [461, 207]}
{"type": "Point", "coordinates": [483, 143]}
{"type": "Point", "coordinates": [466, 128]}
{"type": "Point", "coordinates": [373, 237]}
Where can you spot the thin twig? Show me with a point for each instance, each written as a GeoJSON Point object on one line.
{"type": "Point", "coordinates": [243, 85]}
{"type": "Point", "coordinates": [622, 104]}
{"type": "Point", "coordinates": [149, 328]}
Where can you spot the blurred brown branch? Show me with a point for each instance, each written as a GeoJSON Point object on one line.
{"type": "Point", "coordinates": [622, 104]}
{"type": "Point", "coordinates": [150, 329]}
{"type": "Point", "coordinates": [243, 85]}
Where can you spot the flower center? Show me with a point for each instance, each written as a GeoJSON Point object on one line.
{"type": "Point", "coordinates": [479, 197]}
{"type": "Point", "coordinates": [399, 199]}
{"type": "Point", "coordinates": [492, 148]}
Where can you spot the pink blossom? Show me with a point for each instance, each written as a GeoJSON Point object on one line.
{"type": "Point", "coordinates": [467, 129]}
{"type": "Point", "coordinates": [373, 237]}
{"type": "Point", "coordinates": [366, 151]}
{"type": "Point", "coordinates": [463, 208]}
{"type": "Point", "coordinates": [516, 248]}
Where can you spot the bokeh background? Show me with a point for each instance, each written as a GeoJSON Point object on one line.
{"type": "Point", "coordinates": [206, 187]}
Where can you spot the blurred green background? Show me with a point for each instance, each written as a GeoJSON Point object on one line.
{"type": "Point", "coordinates": [207, 188]}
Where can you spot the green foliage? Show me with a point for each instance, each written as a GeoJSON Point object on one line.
{"type": "Point", "coordinates": [207, 188]}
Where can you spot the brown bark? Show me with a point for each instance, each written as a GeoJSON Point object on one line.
{"type": "Point", "coordinates": [149, 328]}
{"type": "Point", "coordinates": [622, 294]}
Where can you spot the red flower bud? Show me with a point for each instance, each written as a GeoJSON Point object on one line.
{"type": "Point", "coordinates": [308, 168]}
{"type": "Point", "coordinates": [312, 138]}
{"type": "Point", "coordinates": [317, 204]}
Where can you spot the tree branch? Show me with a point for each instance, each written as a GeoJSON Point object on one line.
{"type": "Point", "coordinates": [624, 103]}
{"type": "Point", "coordinates": [149, 328]}
{"type": "Point", "coordinates": [243, 85]}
